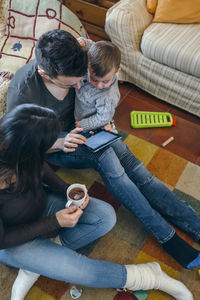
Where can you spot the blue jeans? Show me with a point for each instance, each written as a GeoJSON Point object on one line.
{"type": "Point", "coordinates": [136, 188]}
{"type": "Point", "coordinates": [44, 257]}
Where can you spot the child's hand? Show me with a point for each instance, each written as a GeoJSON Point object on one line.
{"type": "Point", "coordinates": [81, 42]}
{"type": "Point", "coordinates": [107, 127]}
{"type": "Point", "coordinates": [78, 124]}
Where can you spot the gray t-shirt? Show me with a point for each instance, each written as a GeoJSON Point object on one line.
{"type": "Point", "coordinates": [27, 87]}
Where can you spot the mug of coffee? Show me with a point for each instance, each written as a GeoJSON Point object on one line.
{"type": "Point", "coordinates": [76, 194]}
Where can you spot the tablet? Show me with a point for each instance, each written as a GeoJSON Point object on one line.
{"type": "Point", "coordinates": [101, 139]}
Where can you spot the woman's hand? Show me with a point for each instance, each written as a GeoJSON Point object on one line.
{"type": "Point", "coordinates": [85, 203]}
{"type": "Point", "coordinates": [68, 217]}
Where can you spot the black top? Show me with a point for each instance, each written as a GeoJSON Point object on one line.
{"type": "Point", "coordinates": [20, 213]}
{"type": "Point", "coordinates": [27, 87]}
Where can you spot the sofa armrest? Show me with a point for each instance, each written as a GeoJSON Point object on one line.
{"type": "Point", "coordinates": [126, 22]}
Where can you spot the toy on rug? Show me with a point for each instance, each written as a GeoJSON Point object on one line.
{"type": "Point", "coordinates": [75, 292]}
{"type": "Point", "coordinates": [141, 295]}
{"type": "Point", "coordinates": [148, 119]}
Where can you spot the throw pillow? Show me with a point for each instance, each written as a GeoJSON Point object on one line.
{"type": "Point", "coordinates": [27, 20]}
{"type": "Point", "coordinates": [151, 6]}
{"type": "Point", "coordinates": [177, 11]}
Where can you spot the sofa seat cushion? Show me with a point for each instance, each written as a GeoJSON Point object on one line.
{"type": "Point", "coordinates": [174, 45]}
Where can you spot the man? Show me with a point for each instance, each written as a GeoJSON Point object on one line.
{"type": "Point", "coordinates": [49, 81]}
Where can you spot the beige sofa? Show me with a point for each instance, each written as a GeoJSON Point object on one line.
{"type": "Point", "coordinates": [162, 59]}
{"type": "Point", "coordinates": [21, 23]}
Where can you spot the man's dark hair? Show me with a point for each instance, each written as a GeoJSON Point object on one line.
{"type": "Point", "coordinates": [103, 56]}
{"type": "Point", "coordinates": [59, 53]}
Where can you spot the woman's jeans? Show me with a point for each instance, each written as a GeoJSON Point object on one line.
{"type": "Point", "coordinates": [44, 257]}
{"type": "Point", "coordinates": [136, 188]}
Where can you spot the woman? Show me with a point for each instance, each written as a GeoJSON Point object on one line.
{"type": "Point", "coordinates": [32, 206]}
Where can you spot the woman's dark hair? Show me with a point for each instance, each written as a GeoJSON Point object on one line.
{"type": "Point", "coordinates": [26, 133]}
{"type": "Point", "coordinates": [58, 53]}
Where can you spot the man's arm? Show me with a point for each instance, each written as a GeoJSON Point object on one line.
{"type": "Point", "coordinates": [70, 142]}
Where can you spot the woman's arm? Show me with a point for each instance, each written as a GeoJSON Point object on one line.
{"type": "Point", "coordinates": [53, 180]}
{"type": "Point", "coordinates": [18, 234]}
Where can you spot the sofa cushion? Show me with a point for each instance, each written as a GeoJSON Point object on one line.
{"type": "Point", "coordinates": [27, 20]}
{"type": "Point", "coordinates": [174, 45]}
{"type": "Point", "coordinates": [177, 11]}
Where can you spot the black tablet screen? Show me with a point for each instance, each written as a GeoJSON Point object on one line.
{"type": "Point", "coordinates": [101, 139]}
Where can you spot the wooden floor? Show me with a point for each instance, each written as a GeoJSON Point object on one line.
{"type": "Point", "coordinates": [186, 132]}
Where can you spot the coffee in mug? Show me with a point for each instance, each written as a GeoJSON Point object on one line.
{"type": "Point", "coordinates": [76, 194]}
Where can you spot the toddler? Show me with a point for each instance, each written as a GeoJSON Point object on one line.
{"type": "Point", "coordinates": [98, 95]}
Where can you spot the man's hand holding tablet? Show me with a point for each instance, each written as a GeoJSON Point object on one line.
{"type": "Point", "coordinates": [97, 140]}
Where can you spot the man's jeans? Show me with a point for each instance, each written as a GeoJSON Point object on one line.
{"type": "Point", "coordinates": [44, 257]}
{"type": "Point", "coordinates": [136, 188]}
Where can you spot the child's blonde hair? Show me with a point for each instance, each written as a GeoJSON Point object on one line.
{"type": "Point", "coordinates": [103, 56]}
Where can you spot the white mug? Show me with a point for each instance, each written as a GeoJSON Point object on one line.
{"type": "Point", "coordinates": [78, 202]}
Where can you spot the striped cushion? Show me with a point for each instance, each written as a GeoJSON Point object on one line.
{"type": "Point", "coordinates": [174, 45]}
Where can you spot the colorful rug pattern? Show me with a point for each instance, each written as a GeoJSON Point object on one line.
{"type": "Point", "coordinates": [128, 242]}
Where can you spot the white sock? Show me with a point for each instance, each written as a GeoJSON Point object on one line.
{"type": "Point", "coordinates": [24, 281]}
{"type": "Point", "coordinates": [150, 276]}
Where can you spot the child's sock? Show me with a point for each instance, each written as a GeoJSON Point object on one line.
{"type": "Point", "coordinates": [24, 281]}
{"type": "Point", "coordinates": [182, 252]}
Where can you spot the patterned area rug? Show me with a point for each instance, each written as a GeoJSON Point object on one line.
{"type": "Point", "coordinates": [128, 242]}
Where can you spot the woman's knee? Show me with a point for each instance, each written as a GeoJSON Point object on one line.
{"type": "Point", "coordinates": [105, 212]}
{"type": "Point", "coordinates": [110, 217]}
